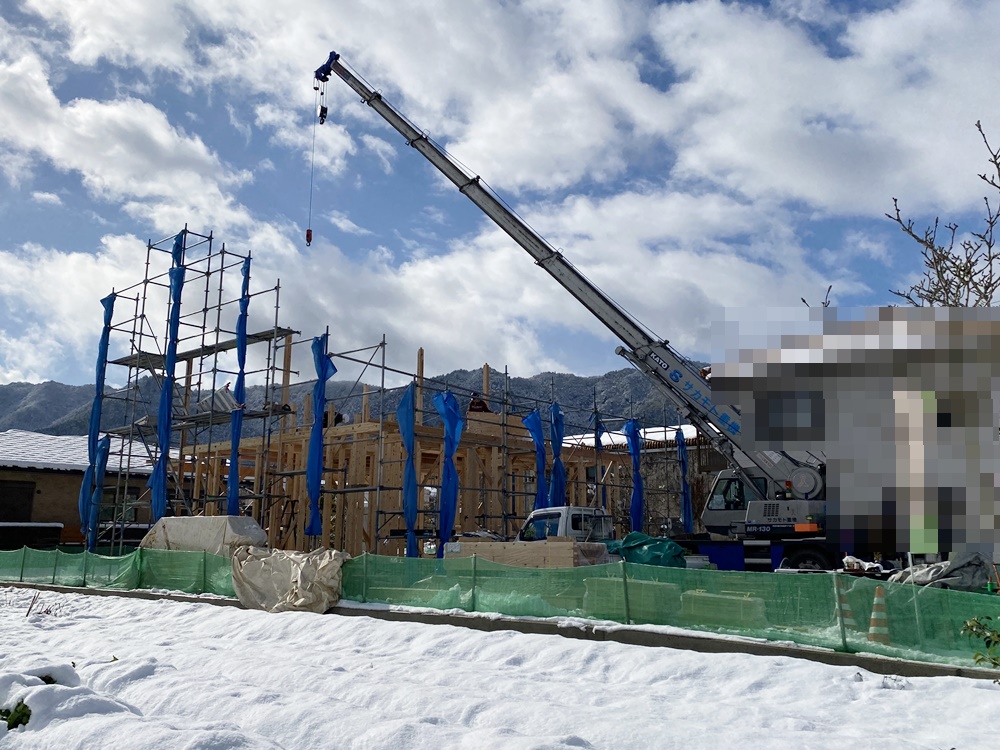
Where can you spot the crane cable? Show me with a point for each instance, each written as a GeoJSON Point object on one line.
{"type": "Point", "coordinates": [312, 158]}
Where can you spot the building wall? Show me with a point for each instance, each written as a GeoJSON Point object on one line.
{"type": "Point", "coordinates": [55, 498]}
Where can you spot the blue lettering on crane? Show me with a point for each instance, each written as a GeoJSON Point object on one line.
{"type": "Point", "coordinates": [675, 375]}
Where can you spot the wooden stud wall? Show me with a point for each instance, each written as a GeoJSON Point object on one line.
{"type": "Point", "coordinates": [350, 475]}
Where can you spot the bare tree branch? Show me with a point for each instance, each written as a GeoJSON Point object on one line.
{"type": "Point", "coordinates": [962, 276]}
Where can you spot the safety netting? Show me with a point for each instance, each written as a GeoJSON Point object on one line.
{"type": "Point", "coordinates": [839, 612]}
{"type": "Point", "coordinates": [187, 572]}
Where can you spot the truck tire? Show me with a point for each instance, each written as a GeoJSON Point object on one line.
{"type": "Point", "coordinates": [810, 558]}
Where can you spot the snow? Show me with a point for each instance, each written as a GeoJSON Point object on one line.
{"type": "Point", "coordinates": [133, 673]}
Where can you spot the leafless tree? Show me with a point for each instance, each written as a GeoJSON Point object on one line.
{"type": "Point", "coordinates": [958, 272]}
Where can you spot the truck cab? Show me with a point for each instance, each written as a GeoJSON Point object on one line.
{"type": "Point", "coordinates": [582, 524]}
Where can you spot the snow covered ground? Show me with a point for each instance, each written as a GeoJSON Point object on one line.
{"type": "Point", "coordinates": [132, 673]}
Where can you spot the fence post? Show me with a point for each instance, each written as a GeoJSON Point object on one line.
{"type": "Point", "coordinates": [840, 613]}
{"type": "Point", "coordinates": [364, 578]}
{"type": "Point", "coordinates": [916, 604]}
{"type": "Point", "coordinates": [628, 614]}
{"type": "Point", "coordinates": [474, 582]}
{"type": "Point", "coordinates": [20, 576]}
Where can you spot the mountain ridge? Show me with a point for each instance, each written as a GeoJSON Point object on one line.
{"type": "Point", "coordinates": [58, 409]}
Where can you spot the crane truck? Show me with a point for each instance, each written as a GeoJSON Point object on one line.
{"type": "Point", "coordinates": [768, 506]}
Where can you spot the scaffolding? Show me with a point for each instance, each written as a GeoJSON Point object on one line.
{"type": "Point", "coordinates": [363, 455]}
{"type": "Point", "coordinates": [201, 405]}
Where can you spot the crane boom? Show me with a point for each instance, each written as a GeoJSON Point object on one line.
{"type": "Point", "coordinates": [674, 375]}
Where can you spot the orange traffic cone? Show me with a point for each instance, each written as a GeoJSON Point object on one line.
{"type": "Point", "coordinates": [846, 613]}
{"type": "Point", "coordinates": [878, 630]}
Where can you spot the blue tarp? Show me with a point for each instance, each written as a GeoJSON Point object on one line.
{"type": "Point", "coordinates": [325, 370]}
{"type": "Point", "coordinates": [405, 416]}
{"type": "Point", "coordinates": [447, 406]}
{"type": "Point", "coordinates": [636, 509]}
{"type": "Point", "coordinates": [240, 395]}
{"type": "Point", "coordinates": [158, 479]}
{"type": "Point", "coordinates": [87, 488]}
{"type": "Point", "coordinates": [598, 447]}
{"type": "Point", "coordinates": [687, 511]}
{"type": "Point", "coordinates": [94, 513]}
{"type": "Point", "coordinates": [533, 421]}
{"type": "Point", "coordinates": [557, 482]}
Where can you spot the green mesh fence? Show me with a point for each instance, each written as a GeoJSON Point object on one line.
{"type": "Point", "coordinates": [189, 572]}
{"type": "Point", "coordinates": [828, 611]}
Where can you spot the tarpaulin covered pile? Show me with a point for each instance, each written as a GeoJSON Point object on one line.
{"type": "Point", "coordinates": [641, 548]}
{"type": "Point", "coordinates": [217, 535]}
{"type": "Point", "coordinates": [282, 581]}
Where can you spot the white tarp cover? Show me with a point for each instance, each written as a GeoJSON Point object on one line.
{"type": "Point", "coordinates": [968, 571]}
{"type": "Point", "coordinates": [218, 535]}
{"type": "Point", "coordinates": [282, 581]}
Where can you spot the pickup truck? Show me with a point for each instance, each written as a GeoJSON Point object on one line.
{"type": "Point", "coordinates": [579, 523]}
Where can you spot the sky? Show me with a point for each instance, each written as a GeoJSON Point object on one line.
{"type": "Point", "coordinates": [686, 156]}
{"type": "Point", "coordinates": [132, 673]}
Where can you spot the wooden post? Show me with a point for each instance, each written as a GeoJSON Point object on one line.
{"type": "Point", "coordinates": [486, 382]}
{"type": "Point", "coordinates": [418, 394]}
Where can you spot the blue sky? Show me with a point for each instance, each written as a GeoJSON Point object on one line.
{"type": "Point", "coordinates": [685, 156]}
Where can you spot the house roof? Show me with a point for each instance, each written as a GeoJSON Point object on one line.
{"type": "Point", "coordinates": [20, 449]}
{"type": "Point", "coordinates": [617, 440]}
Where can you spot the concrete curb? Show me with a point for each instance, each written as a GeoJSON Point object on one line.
{"type": "Point", "coordinates": [634, 637]}
{"type": "Point", "coordinates": [872, 662]}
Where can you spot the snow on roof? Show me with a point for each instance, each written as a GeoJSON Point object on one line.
{"type": "Point", "coordinates": [21, 449]}
{"type": "Point", "coordinates": [617, 440]}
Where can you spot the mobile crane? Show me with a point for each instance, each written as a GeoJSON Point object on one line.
{"type": "Point", "coordinates": [776, 506]}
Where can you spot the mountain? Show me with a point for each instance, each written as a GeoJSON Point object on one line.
{"type": "Point", "coordinates": [58, 409]}
{"type": "Point", "coordinates": [36, 406]}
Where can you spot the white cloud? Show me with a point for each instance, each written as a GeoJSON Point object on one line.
{"type": "Point", "coordinates": [124, 151]}
{"type": "Point", "coordinates": [50, 302]}
{"type": "Point", "coordinates": [136, 33]}
{"type": "Point", "coordinates": [340, 220]}
{"type": "Point", "coordinates": [382, 149]}
{"type": "Point", "coordinates": [675, 150]}
{"type": "Point", "coordinates": [764, 110]}
{"type": "Point", "coordinates": [332, 143]}
{"type": "Point", "coordinates": [239, 125]}
{"type": "Point", "coordinates": [50, 199]}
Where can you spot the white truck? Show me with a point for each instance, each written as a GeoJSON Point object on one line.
{"type": "Point", "coordinates": [579, 523]}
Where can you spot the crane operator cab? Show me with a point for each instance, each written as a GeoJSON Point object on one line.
{"type": "Point", "coordinates": [728, 503]}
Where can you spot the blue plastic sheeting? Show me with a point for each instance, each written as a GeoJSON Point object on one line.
{"type": "Point", "coordinates": [533, 421]}
{"type": "Point", "coordinates": [158, 479]}
{"type": "Point", "coordinates": [325, 370]}
{"type": "Point", "coordinates": [687, 510]}
{"type": "Point", "coordinates": [636, 509]}
{"type": "Point", "coordinates": [405, 419]}
{"type": "Point", "coordinates": [595, 420]}
{"type": "Point", "coordinates": [94, 511]}
{"type": "Point", "coordinates": [87, 487]}
{"type": "Point", "coordinates": [557, 482]}
{"type": "Point", "coordinates": [240, 395]}
{"type": "Point", "coordinates": [447, 406]}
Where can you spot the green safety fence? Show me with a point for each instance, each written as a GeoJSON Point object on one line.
{"type": "Point", "coordinates": [828, 611]}
{"type": "Point", "coordinates": [823, 610]}
{"type": "Point", "coordinates": [188, 572]}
